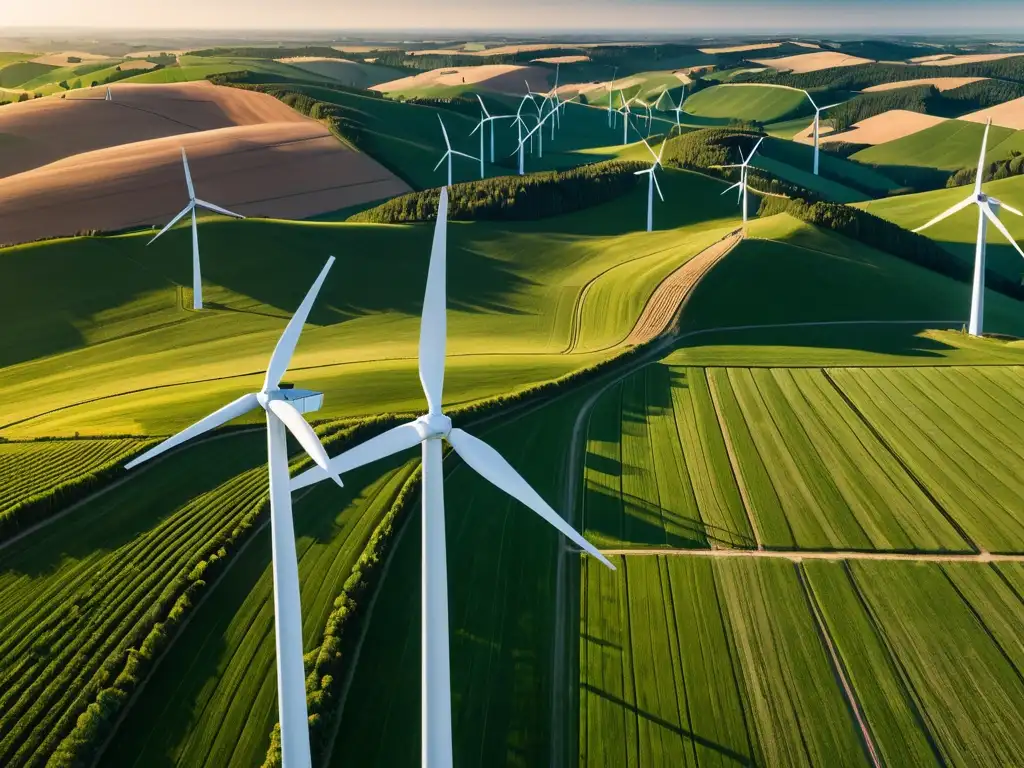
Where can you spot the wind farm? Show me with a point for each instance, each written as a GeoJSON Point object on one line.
{"type": "Point", "coordinates": [716, 466]}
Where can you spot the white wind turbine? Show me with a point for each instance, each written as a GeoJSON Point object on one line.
{"type": "Point", "coordinates": [520, 124]}
{"type": "Point", "coordinates": [652, 183]}
{"type": "Point", "coordinates": [284, 409]}
{"type": "Point", "coordinates": [817, 125]}
{"type": "Point", "coordinates": [625, 112]}
{"type": "Point", "coordinates": [487, 117]}
{"type": "Point", "coordinates": [193, 203]}
{"type": "Point", "coordinates": [742, 183]}
{"type": "Point", "coordinates": [611, 93]}
{"type": "Point", "coordinates": [428, 431]}
{"type": "Point", "coordinates": [677, 108]}
{"type": "Point", "coordinates": [529, 137]}
{"type": "Point", "coordinates": [988, 211]}
{"type": "Point", "coordinates": [448, 154]}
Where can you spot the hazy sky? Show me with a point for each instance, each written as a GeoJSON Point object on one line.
{"type": "Point", "coordinates": [670, 16]}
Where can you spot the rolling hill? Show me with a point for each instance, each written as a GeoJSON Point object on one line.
{"type": "Point", "coordinates": [765, 104]}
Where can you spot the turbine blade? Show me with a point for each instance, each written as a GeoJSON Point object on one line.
{"type": "Point", "coordinates": [447, 143]}
{"type": "Point", "coordinates": [218, 209]}
{"type": "Point", "coordinates": [463, 154]}
{"type": "Point", "coordinates": [232, 410]}
{"type": "Point", "coordinates": [433, 323]}
{"type": "Point", "coordinates": [730, 189]}
{"type": "Point", "coordinates": [478, 127]}
{"type": "Point", "coordinates": [1001, 227]}
{"type": "Point", "coordinates": [304, 433]}
{"type": "Point", "coordinates": [754, 150]}
{"type": "Point", "coordinates": [282, 357]}
{"type": "Point", "coordinates": [657, 186]}
{"type": "Point", "coordinates": [822, 109]}
{"type": "Point", "coordinates": [649, 149]}
{"type": "Point", "coordinates": [188, 176]}
{"type": "Point", "coordinates": [482, 105]}
{"type": "Point", "coordinates": [810, 100]}
{"type": "Point", "coordinates": [488, 463]}
{"type": "Point", "coordinates": [174, 221]}
{"type": "Point", "coordinates": [385, 444]}
{"type": "Point", "coordinates": [1010, 208]}
{"type": "Point", "coordinates": [979, 176]}
{"type": "Point", "coordinates": [443, 158]}
{"type": "Point", "coordinates": [946, 214]}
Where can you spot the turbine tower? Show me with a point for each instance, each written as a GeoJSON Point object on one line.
{"type": "Point", "coordinates": [193, 203]}
{"type": "Point", "coordinates": [611, 94]}
{"type": "Point", "coordinates": [428, 431]}
{"type": "Point", "coordinates": [988, 211]}
{"type": "Point", "coordinates": [742, 183]}
{"type": "Point", "coordinates": [652, 183]}
{"type": "Point", "coordinates": [448, 154]}
{"type": "Point", "coordinates": [284, 409]}
{"type": "Point", "coordinates": [817, 124]}
{"type": "Point", "coordinates": [625, 111]}
{"type": "Point", "coordinates": [485, 118]}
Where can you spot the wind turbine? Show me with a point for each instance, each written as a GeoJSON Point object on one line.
{"type": "Point", "coordinates": [485, 118]}
{"type": "Point", "coordinates": [652, 183]}
{"type": "Point", "coordinates": [284, 409]}
{"type": "Point", "coordinates": [742, 183]}
{"type": "Point", "coordinates": [448, 154]}
{"type": "Point", "coordinates": [193, 203]}
{"type": "Point", "coordinates": [611, 85]}
{"type": "Point", "coordinates": [817, 122]}
{"type": "Point", "coordinates": [625, 111]}
{"type": "Point", "coordinates": [109, 96]}
{"type": "Point", "coordinates": [520, 124]}
{"type": "Point", "coordinates": [988, 211]}
{"type": "Point", "coordinates": [428, 431]}
{"type": "Point", "coordinates": [529, 136]}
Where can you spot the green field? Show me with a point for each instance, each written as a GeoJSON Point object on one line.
{"type": "Point", "coordinates": [199, 67]}
{"type": "Point", "coordinates": [17, 74]}
{"type": "Point", "coordinates": [765, 104]}
{"type": "Point", "coordinates": [688, 661]}
{"type": "Point", "coordinates": [958, 234]}
{"type": "Point", "coordinates": [927, 158]}
{"type": "Point", "coordinates": [350, 73]}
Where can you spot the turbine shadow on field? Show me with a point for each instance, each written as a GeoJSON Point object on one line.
{"type": "Point", "coordinates": [675, 728]}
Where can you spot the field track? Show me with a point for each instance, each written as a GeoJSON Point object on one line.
{"type": "Point", "coordinates": [798, 555]}
{"type": "Point", "coordinates": [668, 298]}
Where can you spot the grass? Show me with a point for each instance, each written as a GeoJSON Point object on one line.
{"type": "Point", "coordinates": [200, 67]}
{"type": "Point", "coordinates": [17, 74]}
{"type": "Point", "coordinates": [927, 158]}
{"type": "Point", "coordinates": [80, 593]}
{"type": "Point", "coordinates": [765, 104]}
{"type": "Point", "coordinates": [349, 73]}
{"type": "Point", "coordinates": [954, 430]}
{"type": "Point", "coordinates": [213, 698]}
{"type": "Point", "coordinates": [958, 234]}
{"type": "Point", "coordinates": [519, 299]}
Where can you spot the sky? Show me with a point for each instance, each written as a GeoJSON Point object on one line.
{"type": "Point", "coordinates": [539, 16]}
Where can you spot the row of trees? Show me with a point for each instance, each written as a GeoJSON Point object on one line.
{"type": "Point", "coordinates": [514, 198]}
{"type": "Point", "coordinates": [1001, 169]}
{"type": "Point", "coordinates": [860, 77]}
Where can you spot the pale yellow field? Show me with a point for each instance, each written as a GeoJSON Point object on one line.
{"type": "Point", "coordinates": [888, 126]}
{"type": "Point", "coordinates": [1008, 115]}
{"type": "Point", "coordinates": [136, 64]}
{"type": "Point", "coordinates": [61, 59]}
{"type": "Point", "coordinates": [506, 78]}
{"type": "Point", "coordinates": [364, 48]}
{"type": "Point", "coordinates": [942, 83]}
{"type": "Point", "coordinates": [812, 62]}
{"type": "Point", "coordinates": [563, 59]}
{"type": "Point", "coordinates": [947, 60]}
{"type": "Point", "coordinates": [740, 48]}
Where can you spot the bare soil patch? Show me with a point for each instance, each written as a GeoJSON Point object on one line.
{"type": "Point", "coordinates": [562, 59]}
{"type": "Point", "coordinates": [61, 59]}
{"type": "Point", "coordinates": [504, 78]}
{"type": "Point", "coordinates": [948, 60]}
{"type": "Point", "coordinates": [888, 126]}
{"type": "Point", "coordinates": [1008, 115]}
{"type": "Point", "coordinates": [740, 48]}
{"type": "Point", "coordinates": [812, 62]}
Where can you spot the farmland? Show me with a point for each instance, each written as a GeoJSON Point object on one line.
{"type": "Point", "coordinates": [765, 104]}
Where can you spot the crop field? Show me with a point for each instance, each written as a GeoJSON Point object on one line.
{"type": "Point", "coordinates": [765, 104]}
{"type": "Point", "coordinates": [533, 291]}
{"type": "Point", "coordinates": [199, 67]}
{"type": "Point", "coordinates": [958, 234]}
{"type": "Point", "coordinates": [29, 471]}
{"type": "Point", "coordinates": [18, 73]}
{"type": "Point", "coordinates": [697, 661]}
{"type": "Point", "coordinates": [927, 158]}
{"type": "Point", "coordinates": [222, 710]}
{"type": "Point", "coordinates": [77, 596]}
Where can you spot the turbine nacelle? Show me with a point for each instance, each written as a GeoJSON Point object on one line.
{"type": "Point", "coordinates": [433, 426]}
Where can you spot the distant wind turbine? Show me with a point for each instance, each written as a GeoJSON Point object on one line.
{"type": "Point", "coordinates": [742, 183]}
{"type": "Point", "coordinates": [625, 112]}
{"type": "Point", "coordinates": [448, 154]}
{"type": "Point", "coordinates": [485, 118]}
{"type": "Point", "coordinates": [193, 203]}
{"type": "Point", "coordinates": [284, 409]}
{"type": "Point", "coordinates": [988, 211]}
{"type": "Point", "coordinates": [652, 183]}
{"type": "Point", "coordinates": [611, 94]}
{"type": "Point", "coordinates": [817, 125]}
{"type": "Point", "coordinates": [429, 431]}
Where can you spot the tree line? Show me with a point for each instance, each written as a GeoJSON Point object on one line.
{"type": "Point", "coordinates": [513, 198]}
{"type": "Point", "coordinates": [1000, 169]}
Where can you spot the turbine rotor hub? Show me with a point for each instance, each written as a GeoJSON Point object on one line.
{"type": "Point", "coordinates": [433, 425]}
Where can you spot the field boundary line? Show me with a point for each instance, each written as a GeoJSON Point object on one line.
{"type": "Point", "coordinates": [734, 463]}
{"type": "Point", "coordinates": [961, 532]}
{"type": "Point", "coordinates": [799, 555]}
{"type": "Point", "coordinates": [838, 668]}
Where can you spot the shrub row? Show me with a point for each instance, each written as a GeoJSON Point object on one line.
{"type": "Point", "coordinates": [890, 238]}
{"type": "Point", "coordinates": [513, 198]}
{"type": "Point", "coordinates": [43, 505]}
